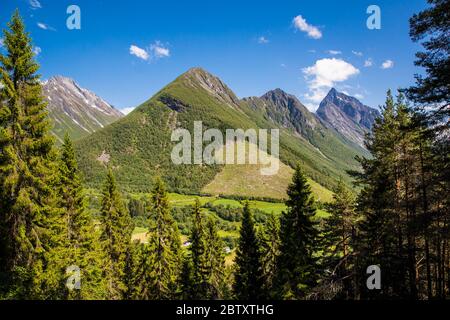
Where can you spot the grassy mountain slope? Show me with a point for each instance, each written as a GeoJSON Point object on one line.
{"type": "Point", "coordinates": [138, 147]}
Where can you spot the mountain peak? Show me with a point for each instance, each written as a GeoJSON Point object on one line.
{"type": "Point", "coordinates": [75, 109]}
{"type": "Point", "coordinates": [347, 115]}
{"type": "Point", "coordinates": [200, 78]}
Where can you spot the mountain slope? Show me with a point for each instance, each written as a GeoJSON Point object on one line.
{"type": "Point", "coordinates": [138, 147]}
{"type": "Point", "coordinates": [347, 115]}
{"type": "Point", "coordinates": [76, 110]}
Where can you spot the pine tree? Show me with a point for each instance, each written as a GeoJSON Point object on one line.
{"type": "Point", "coordinates": [297, 263]}
{"type": "Point", "coordinates": [28, 208]}
{"type": "Point", "coordinates": [78, 247]}
{"type": "Point", "coordinates": [339, 234]}
{"type": "Point", "coordinates": [270, 251]}
{"type": "Point", "coordinates": [161, 261]}
{"type": "Point", "coordinates": [216, 262]}
{"type": "Point", "coordinates": [433, 91]}
{"type": "Point", "coordinates": [199, 259]}
{"type": "Point", "coordinates": [248, 283]}
{"type": "Point", "coordinates": [115, 237]}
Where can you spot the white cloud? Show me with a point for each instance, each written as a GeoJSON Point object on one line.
{"type": "Point", "coordinates": [139, 52]}
{"type": "Point", "coordinates": [312, 51]}
{"type": "Point", "coordinates": [324, 74]}
{"type": "Point", "coordinates": [263, 40]}
{"type": "Point", "coordinates": [388, 64]}
{"type": "Point", "coordinates": [158, 50]}
{"type": "Point", "coordinates": [154, 52]}
{"type": "Point", "coordinates": [283, 65]}
{"type": "Point", "coordinates": [357, 53]}
{"type": "Point", "coordinates": [45, 26]}
{"type": "Point", "coordinates": [1, 42]}
{"type": "Point", "coordinates": [368, 63]}
{"type": "Point", "coordinates": [35, 4]}
{"type": "Point", "coordinates": [37, 50]}
{"type": "Point", "coordinates": [126, 111]}
{"type": "Point", "coordinates": [312, 31]}
{"type": "Point", "coordinates": [334, 52]}
{"type": "Point", "coordinates": [358, 96]}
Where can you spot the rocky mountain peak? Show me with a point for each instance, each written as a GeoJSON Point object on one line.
{"type": "Point", "coordinates": [200, 78]}
{"type": "Point", "coordinates": [347, 115]}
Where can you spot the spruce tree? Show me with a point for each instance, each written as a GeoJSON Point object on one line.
{"type": "Point", "coordinates": [161, 260]}
{"type": "Point", "coordinates": [115, 237]}
{"type": "Point", "coordinates": [248, 282]}
{"type": "Point", "coordinates": [297, 269]}
{"type": "Point", "coordinates": [78, 246]}
{"type": "Point", "coordinates": [270, 251]}
{"type": "Point", "coordinates": [199, 259]}
{"type": "Point", "coordinates": [339, 235]}
{"type": "Point", "coordinates": [216, 261]}
{"type": "Point", "coordinates": [28, 173]}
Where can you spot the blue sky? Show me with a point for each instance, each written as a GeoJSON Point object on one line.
{"type": "Point", "coordinates": [125, 52]}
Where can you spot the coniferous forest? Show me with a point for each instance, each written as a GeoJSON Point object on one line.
{"type": "Point", "coordinates": [393, 218]}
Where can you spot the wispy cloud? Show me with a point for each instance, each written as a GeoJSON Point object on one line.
{"type": "Point", "coordinates": [323, 75]}
{"type": "Point", "coordinates": [368, 63]}
{"type": "Point", "coordinates": [45, 26]}
{"type": "Point", "coordinates": [35, 4]}
{"type": "Point", "coordinates": [388, 64]}
{"type": "Point", "coordinates": [1, 42]}
{"type": "Point", "coordinates": [263, 40]}
{"type": "Point", "coordinates": [159, 50]}
{"type": "Point", "coordinates": [155, 51]}
{"type": "Point", "coordinates": [301, 24]}
{"type": "Point", "coordinates": [139, 52]}
{"type": "Point", "coordinates": [334, 52]}
{"type": "Point", "coordinates": [357, 53]}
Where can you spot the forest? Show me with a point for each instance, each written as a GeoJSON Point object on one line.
{"type": "Point", "coordinates": [396, 217]}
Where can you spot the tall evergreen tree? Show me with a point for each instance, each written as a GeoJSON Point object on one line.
{"type": "Point", "coordinates": [339, 235]}
{"type": "Point", "coordinates": [216, 262]}
{"type": "Point", "coordinates": [199, 259]}
{"type": "Point", "coordinates": [431, 26]}
{"type": "Point", "coordinates": [248, 282]}
{"type": "Point", "coordinates": [28, 208]}
{"type": "Point", "coordinates": [161, 260]}
{"type": "Point", "coordinates": [297, 263]}
{"type": "Point", "coordinates": [270, 251]}
{"type": "Point", "coordinates": [79, 244]}
{"type": "Point", "coordinates": [115, 237]}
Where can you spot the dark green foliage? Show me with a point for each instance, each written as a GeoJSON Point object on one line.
{"type": "Point", "coordinates": [116, 228]}
{"type": "Point", "coordinates": [248, 278]}
{"type": "Point", "coordinates": [28, 207]}
{"type": "Point", "coordinates": [270, 251]}
{"type": "Point", "coordinates": [198, 256]}
{"type": "Point", "coordinates": [159, 271]}
{"type": "Point", "coordinates": [432, 26]}
{"type": "Point", "coordinates": [402, 207]}
{"type": "Point", "coordinates": [216, 262]}
{"type": "Point", "coordinates": [79, 243]}
{"type": "Point", "coordinates": [338, 256]}
{"type": "Point", "coordinates": [297, 269]}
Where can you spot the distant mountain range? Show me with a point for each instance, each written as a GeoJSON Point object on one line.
{"type": "Point", "coordinates": [138, 146]}
{"type": "Point", "coordinates": [76, 110]}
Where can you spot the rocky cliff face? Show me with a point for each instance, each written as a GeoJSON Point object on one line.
{"type": "Point", "coordinates": [76, 110]}
{"type": "Point", "coordinates": [347, 115]}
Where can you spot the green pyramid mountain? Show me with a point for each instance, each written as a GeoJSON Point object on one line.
{"type": "Point", "coordinates": [138, 147]}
